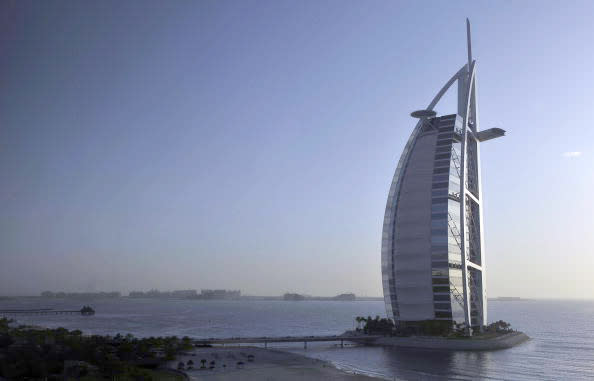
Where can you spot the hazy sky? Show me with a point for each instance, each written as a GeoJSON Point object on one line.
{"type": "Point", "coordinates": [251, 144]}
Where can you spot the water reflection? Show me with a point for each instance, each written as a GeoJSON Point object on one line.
{"type": "Point", "coordinates": [406, 363]}
{"type": "Point", "coordinates": [409, 363]}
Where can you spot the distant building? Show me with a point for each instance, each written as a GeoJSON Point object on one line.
{"type": "Point", "coordinates": [293, 297]}
{"type": "Point", "coordinates": [154, 293]}
{"type": "Point", "coordinates": [187, 294]}
{"type": "Point", "coordinates": [80, 295]}
{"type": "Point", "coordinates": [433, 265]}
{"type": "Point", "coordinates": [345, 297]}
{"type": "Point", "coordinates": [181, 294]}
{"type": "Point", "coordinates": [220, 294]}
{"type": "Point", "coordinates": [508, 298]}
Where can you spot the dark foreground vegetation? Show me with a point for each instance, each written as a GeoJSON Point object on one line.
{"type": "Point", "coordinates": [383, 326]}
{"type": "Point", "coordinates": [33, 353]}
{"type": "Point", "coordinates": [375, 326]}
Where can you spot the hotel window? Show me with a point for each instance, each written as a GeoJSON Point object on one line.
{"type": "Point", "coordinates": [438, 223]}
{"type": "Point", "coordinates": [442, 163]}
{"type": "Point", "coordinates": [439, 264]}
{"type": "Point", "coordinates": [436, 208]}
{"type": "Point", "coordinates": [441, 178]}
{"type": "Point", "coordinates": [439, 232]}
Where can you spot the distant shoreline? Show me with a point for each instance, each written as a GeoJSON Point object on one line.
{"type": "Point", "coordinates": [4, 298]}
{"type": "Point", "coordinates": [508, 299]}
{"type": "Point", "coordinates": [242, 298]}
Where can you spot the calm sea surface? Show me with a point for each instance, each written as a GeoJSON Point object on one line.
{"type": "Point", "coordinates": [562, 332]}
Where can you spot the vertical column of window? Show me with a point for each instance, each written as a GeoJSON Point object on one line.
{"type": "Point", "coordinates": [475, 285]}
{"type": "Point", "coordinates": [473, 238]}
{"type": "Point", "coordinates": [472, 166]}
{"type": "Point", "coordinates": [456, 283]}
{"type": "Point", "coordinates": [456, 159]}
{"type": "Point", "coordinates": [439, 222]}
{"type": "Point", "coordinates": [455, 169]}
{"type": "Point", "coordinates": [454, 237]}
{"type": "Point", "coordinates": [457, 291]}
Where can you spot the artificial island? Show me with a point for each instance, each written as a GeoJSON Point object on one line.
{"type": "Point", "coordinates": [433, 251]}
{"type": "Point", "coordinates": [433, 260]}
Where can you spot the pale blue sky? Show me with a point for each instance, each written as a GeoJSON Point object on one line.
{"type": "Point", "coordinates": [251, 144]}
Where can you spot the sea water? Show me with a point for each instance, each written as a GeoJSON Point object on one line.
{"type": "Point", "coordinates": [561, 345]}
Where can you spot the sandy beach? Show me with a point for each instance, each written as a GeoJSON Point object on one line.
{"type": "Point", "coordinates": [251, 363]}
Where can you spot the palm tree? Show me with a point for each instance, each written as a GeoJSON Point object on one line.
{"type": "Point", "coordinates": [359, 320]}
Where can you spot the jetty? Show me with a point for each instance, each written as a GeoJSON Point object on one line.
{"type": "Point", "coordinates": [85, 311]}
{"type": "Point", "coordinates": [363, 339]}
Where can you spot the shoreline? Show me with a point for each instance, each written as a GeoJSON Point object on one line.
{"type": "Point", "coordinates": [265, 364]}
{"type": "Point", "coordinates": [504, 341]}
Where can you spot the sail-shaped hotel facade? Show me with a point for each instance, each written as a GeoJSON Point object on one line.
{"type": "Point", "coordinates": [433, 257]}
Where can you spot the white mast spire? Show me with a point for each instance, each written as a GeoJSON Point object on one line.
{"type": "Point", "coordinates": [468, 42]}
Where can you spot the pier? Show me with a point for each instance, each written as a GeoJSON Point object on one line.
{"type": "Point", "coordinates": [287, 339]}
{"type": "Point", "coordinates": [85, 311]}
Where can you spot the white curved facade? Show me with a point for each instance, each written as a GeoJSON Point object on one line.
{"type": "Point", "coordinates": [433, 265]}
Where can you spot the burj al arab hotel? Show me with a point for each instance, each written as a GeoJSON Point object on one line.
{"type": "Point", "coordinates": [433, 257]}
